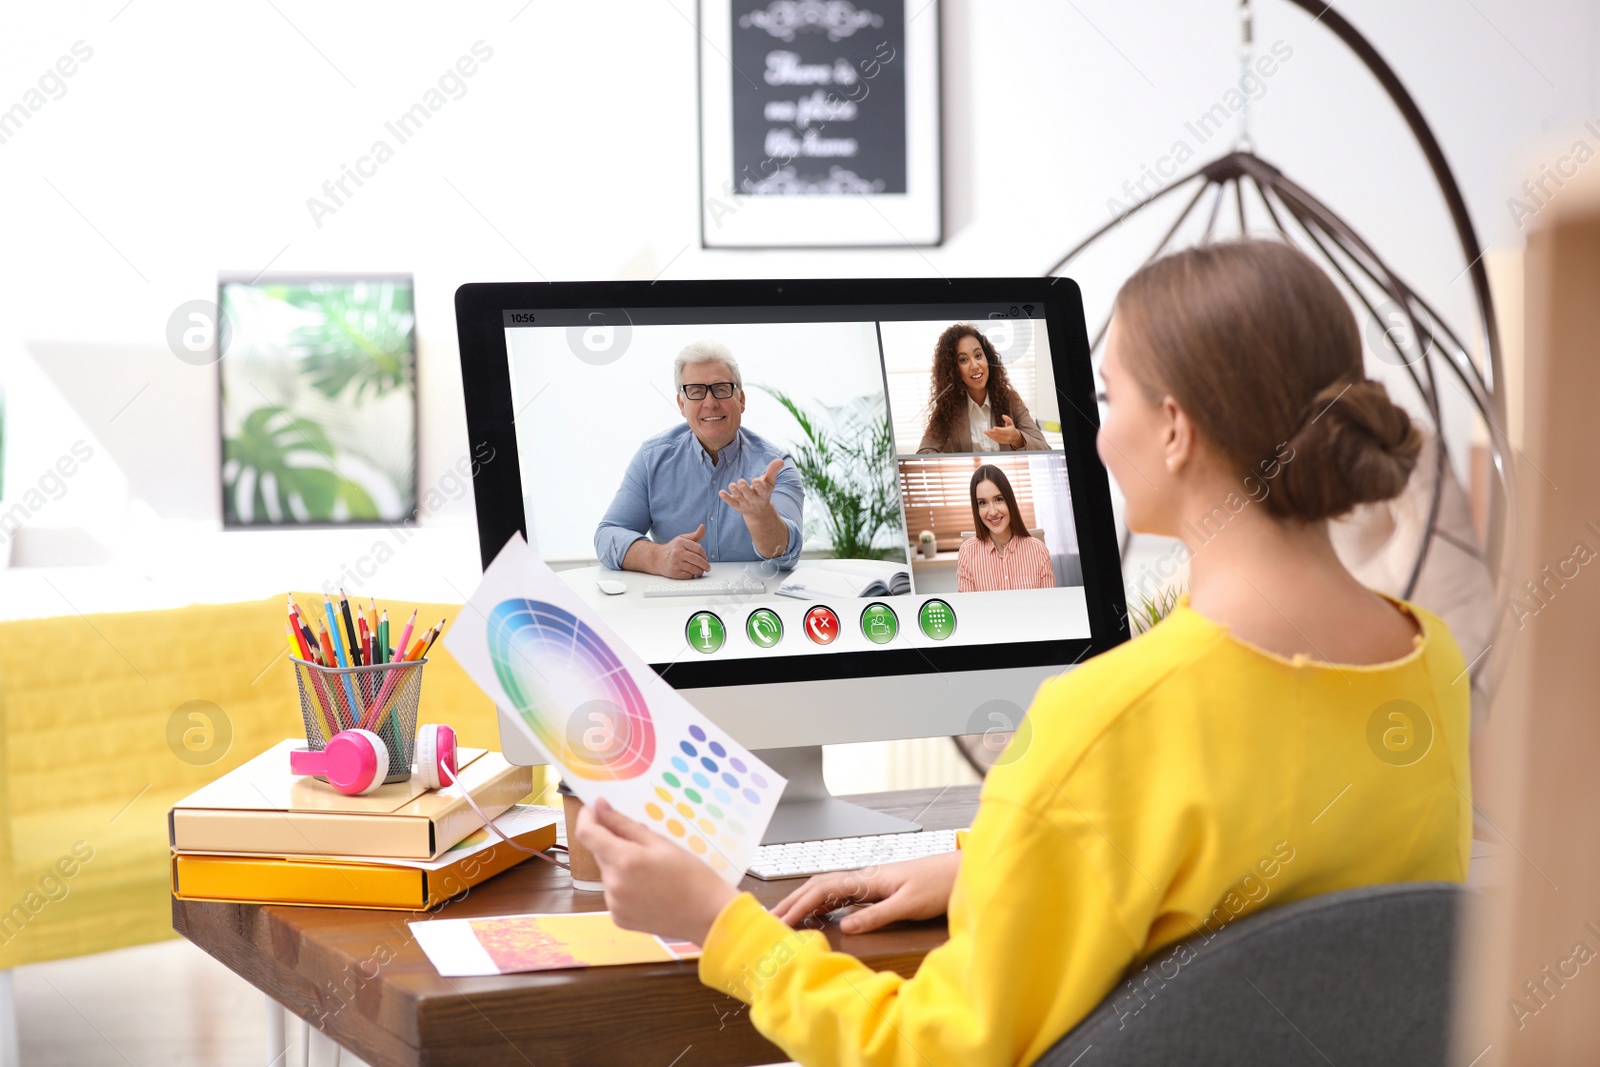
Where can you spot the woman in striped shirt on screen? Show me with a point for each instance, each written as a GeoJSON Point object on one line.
{"type": "Point", "coordinates": [1003, 555]}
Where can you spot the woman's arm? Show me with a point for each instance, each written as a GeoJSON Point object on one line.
{"type": "Point", "coordinates": [1044, 575]}
{"type": "Point", "coordinates": [1035, 944]}
{"type": "Point", "coordinates": [965, 582]}
{"type": "Point", "coordinates": [1032, 437]}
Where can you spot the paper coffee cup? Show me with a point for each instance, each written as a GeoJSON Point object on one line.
{"type": "Point", "coordinates": [585, 871]}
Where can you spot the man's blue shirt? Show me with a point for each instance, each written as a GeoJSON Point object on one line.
{"type": "Point", "coordinates": [671, 486]}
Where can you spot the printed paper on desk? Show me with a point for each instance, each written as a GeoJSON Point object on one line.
{"type": "Point", "coordinates": [607, 721]}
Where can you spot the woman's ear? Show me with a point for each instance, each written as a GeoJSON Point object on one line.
{"type": "Point", "coordinates": [1178, 441]}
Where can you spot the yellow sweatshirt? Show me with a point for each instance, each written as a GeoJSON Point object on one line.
{"type": "Point", "coordinates": [1158, 792]}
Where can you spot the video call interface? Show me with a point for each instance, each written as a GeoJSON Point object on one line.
{"type": "Point", "coordinates": [893, 481]}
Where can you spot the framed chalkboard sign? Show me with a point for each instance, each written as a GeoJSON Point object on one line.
{"type": "Point", "coordinates": [819, 123]}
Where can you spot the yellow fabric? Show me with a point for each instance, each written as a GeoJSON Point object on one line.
{"type": "Point", "coordinates": [85, 707]}
{"type": "Point", "coordinates": [1169, 786]}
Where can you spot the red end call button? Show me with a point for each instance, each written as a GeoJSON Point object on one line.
{"type": "Point", "coordinates": [822, 625]}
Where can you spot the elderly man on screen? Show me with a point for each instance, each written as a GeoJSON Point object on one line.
{"type": "Point", "coordinates": [707, 491]}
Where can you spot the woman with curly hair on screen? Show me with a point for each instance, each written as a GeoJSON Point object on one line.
{"type": "Point", "coordinates": [973, 406]}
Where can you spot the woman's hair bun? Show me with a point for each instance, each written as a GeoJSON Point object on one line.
{"type": "Point", "coordinates": [1259, 347]}
{"type": "Point", "coordinates": [1355, 446]}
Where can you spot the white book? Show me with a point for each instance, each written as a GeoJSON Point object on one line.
{"type": "Point", "coordinates": [818, 583]}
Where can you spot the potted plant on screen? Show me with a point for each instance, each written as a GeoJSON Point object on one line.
{"type": "Point", "coordinates": [926, 542]}
{"type": "Point", "coordinates": [846, 462]}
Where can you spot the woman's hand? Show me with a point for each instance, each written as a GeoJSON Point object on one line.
{"type": "Point", "coordinates": [651, 883]}
{"type": "Point", "coordinates": [1006, 434]}
{"type": "Point", "coordinates": [910, 889]}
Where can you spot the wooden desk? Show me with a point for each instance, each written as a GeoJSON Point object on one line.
{"type": "Point", "coordinates": [362, 975]}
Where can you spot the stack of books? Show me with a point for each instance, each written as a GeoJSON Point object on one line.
{"type": "Point", "coordinates": [262, 835]}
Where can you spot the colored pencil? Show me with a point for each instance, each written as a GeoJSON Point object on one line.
{"type": "Point", "coordinates": [297, 643]}
{"type": "Point", "coordinates": [415, 651]}
{"type": "Point", "coordinates": [325, 645]}
{"type": "Point", "coordinates": [342, 660]}
{"type": "Point", "coordinates": [372, 617]}
{"type": "Point", "coordinates": [375, 712]}
{"type": "Point", "coordinates": [311, 643]}
{"type": "Point", "coordinates": [302, 622]}
{"type": "Point", "coordinates": [419, 647]}
{"type": "Point", "coordinates": [350, 626]}
{"type": "Point", "coordinates": [325, 655]}
{"type": "Point", "coordinates": [438, 632]}
{"type": "Point", "coordinates": [405, 636]}
{"type": "Point", "coordinates": [383, 636]}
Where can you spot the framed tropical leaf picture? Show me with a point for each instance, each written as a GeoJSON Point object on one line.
{"type": "Point", "coordinates": [318, 400]}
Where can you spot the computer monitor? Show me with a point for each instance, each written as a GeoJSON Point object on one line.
{"type": "Point", "coordinates": [886, 612]}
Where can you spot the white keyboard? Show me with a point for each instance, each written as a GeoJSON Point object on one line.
{"type": "Point", "coordinates": [706, 587]}
{"type": "Point", "coordinates": [803, 858]}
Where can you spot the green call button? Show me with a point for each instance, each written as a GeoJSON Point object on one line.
{"type": "Point", "coordinates": [764, 628]}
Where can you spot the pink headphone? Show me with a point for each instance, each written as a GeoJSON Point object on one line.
{"type": "Point", "coordinates": [356, 762]}
{"type": "Point", "coordinates": [436, 755]}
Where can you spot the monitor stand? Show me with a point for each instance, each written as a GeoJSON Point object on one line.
{"type": "Point", "coordinates": [808, 812]}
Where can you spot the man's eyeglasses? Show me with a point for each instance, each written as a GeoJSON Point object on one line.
{"type": "Point", "coordinates": [720, 390]}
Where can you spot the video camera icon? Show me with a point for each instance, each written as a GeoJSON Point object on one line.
{"type": "Point", "coordinates": [880, 624]}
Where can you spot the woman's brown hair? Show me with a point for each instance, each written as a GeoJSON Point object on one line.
{"type": "Point", "coordinates": [1259, 348]}
{"type": "Point", "coordinates": [947, 393]}
{"type": "Point", "coordinates": [990, 473]}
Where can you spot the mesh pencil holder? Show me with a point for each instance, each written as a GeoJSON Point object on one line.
{"type": "Point", "coordinates": [381, 697]}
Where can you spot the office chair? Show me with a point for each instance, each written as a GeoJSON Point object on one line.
{"type": "Point", "coordinates": [1359, 976]}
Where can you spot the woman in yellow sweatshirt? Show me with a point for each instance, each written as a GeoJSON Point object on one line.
{"type": "Point", "coordinates": [1285, 732]}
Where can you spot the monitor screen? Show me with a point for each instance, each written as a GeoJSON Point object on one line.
{"type": "Point", "coordinates": [858, 486]}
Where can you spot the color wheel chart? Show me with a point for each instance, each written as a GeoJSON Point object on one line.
{"type": "Point", "coordinates": [584, 707]}
{"type": "Point", "coordinates": [571, 689]}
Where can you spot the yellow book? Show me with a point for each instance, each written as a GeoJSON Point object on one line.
{"type": "Point", "coordinates": [261, 808]}
{"type": "Point", "coordinates": [353, 883]}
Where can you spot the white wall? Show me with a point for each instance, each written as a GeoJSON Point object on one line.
{"type": "Point", "coordinates": [192, 138]}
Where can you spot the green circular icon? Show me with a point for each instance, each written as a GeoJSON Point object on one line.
{"type": "Point", "coordinates": [764, 628]}
{"type": "Point", "coordinates": [937, 620]}
{"type": "Point", "coordinates": [879, 623]}
{"type": "Point", "coordinates": [705, 632]}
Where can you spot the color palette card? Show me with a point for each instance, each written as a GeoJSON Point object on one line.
{"type": "Point", "coordinates": [509, 944]}
{"type": "Point", "coordinates": [607, 721]}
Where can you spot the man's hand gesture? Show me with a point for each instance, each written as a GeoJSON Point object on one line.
{"type": "Point", "coordinates": [683, 556]}
{"type": "Point", "coordinates": [752, 498]}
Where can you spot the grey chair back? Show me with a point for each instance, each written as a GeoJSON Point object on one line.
{"type": "Point", "coordinates": [1362, 976]}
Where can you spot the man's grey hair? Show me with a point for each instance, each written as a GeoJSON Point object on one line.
{"type": "Point", "coordinates": [705, 352]}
